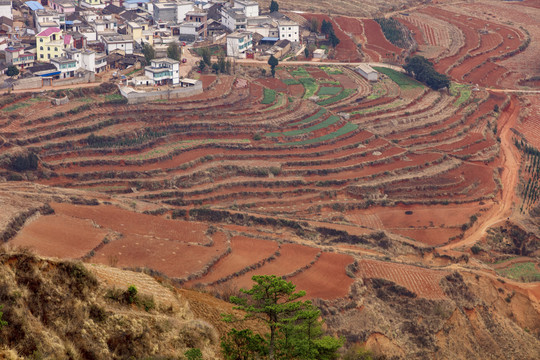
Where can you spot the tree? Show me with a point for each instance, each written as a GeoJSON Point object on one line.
{"type": "Point", "coordinates": [202, 65]}
{"type": "Point", "coordinates": [294, 325]}
{"type": "Point", "coordinates": [12, 71]}
{"type": "Point", "coordinates": [173, 51]}
{"type": "Point", "coordinates": [314, 25]}
{"type": "Point", "coordinates": [423, 71]}
{"type": "Point", "coordinates": [334, 40]}
{"type": "Point", "coordinates": [273, 62]}
{"type": "Point", "coordinates": [222, 63]}
{"type": "Point", "coordinates": [274, 6]}
{"type": "Point", "coordinates": [206, 56]}
{"type": "Point", "coordinates": [306, 52]}
{"type": "Point", "coordinates": [148, 52]}
{"type": "Point", "coordinates": [215, 68]}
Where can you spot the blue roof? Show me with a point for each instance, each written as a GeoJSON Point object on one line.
{"type": "Point", "coordinates": [136, 1]}
{"type": "Point", "coordinates": [269, 38]}
{"type": "Point", "coordinates": [50, 74]}
{"type": "Point", "coordinates": [34, 5]}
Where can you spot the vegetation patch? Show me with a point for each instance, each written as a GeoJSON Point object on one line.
{"type": "Point", "coordinates": [404, 81]}
{"type": "Point", "coordinates": [269, 96]}
{"type": "Point", "coordinates": [525, 272]}
{"type": "Point", "coordinates": [347, 128]}
{"type": "Point", "coordinates": [393, 31]}
{"type": "Point", "coordinates": [320, 113]}
{"type": "Point", "coordinates": [342, 95]}
{"type": "Point", "coordinates": [310, 86]}
{"type": "Point", "coordinates": [290, 81]}
{"type": "Point", "coordinates": [329, 90]}
{"type": "Point", "coordinates": [330, 121]}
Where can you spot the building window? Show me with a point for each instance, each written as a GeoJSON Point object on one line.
{"type": "Point", "coordinates": [41, 56]}
{"type": "Point", "coordinates": [41, 48]}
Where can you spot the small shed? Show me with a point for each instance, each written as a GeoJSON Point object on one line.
{"type": "Point", "coordinates": [318, 53]}
{"type": "Point", "coordinates": [367, 72]}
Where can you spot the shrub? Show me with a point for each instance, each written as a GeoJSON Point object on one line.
{"type": "Point", "coordinates": [25, 162]}
{"type": "Point", "coordinates": [476, 249]}
{"type": "Point", "coordinates": [193, 354]}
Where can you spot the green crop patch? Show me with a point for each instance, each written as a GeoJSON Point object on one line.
{"type": "Point", "coordinates": [525, 271]}
{"type": "Point", "coordinates": [290, 81]}
{"type": "Point", "coordinates": [347, 128]}
{"type": "Point", "coordinates": [324, 124]}
{"type": "Point", "coordinates": [269, 96]}
{"type": "Point", "coordinates": [310, 85]}
{"type": "Point", "coordinates": [404, 81]}
{"type": "Point", "coordinates": [329, 90]}
{"type": "Point", "coordinates": [342, 95]}
{"type": "Point", "coordinates": [314, 117]}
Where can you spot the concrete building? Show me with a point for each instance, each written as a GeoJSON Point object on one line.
{"type": "Point", "coordinates": [93, 4]}
{"type": "Point", "coordinates": [367, 72]}
{"type": "Point", "coordinates": [165, 12]}
{"type": "Point", "coordinates": [86, 59]}
{"type": "Point", "coordinates": [200, 17]}
{"type": "Point", "coordinates": [250, 8]}
{"type": "Point", "coordinates": [19, 57]}
{"type": "Point", "coordinates": [233, 19]}
{"type": "Point", "coordinates": [123, 43]}
{"type": "Point", "coordinates": [62, 6]}
{"type": "Point", "coordinates": [5, 9]}
{"type": "Point", "coordinates": [50, 44]}
{"type": "Point", "coordinates": [45, 19]}
{"type": "Point", "coordinates": [182, 8]}
{"type": "Point", "coordinates": [238, 43]}
{"type": "Point", "coordinates": [101, 62]}
{"type": "Point", "coordinates": [140, 32]}
{"type": "Point", "coordinates": [66, 66]}
{"type": "Point", "coordinates": [162, 72]}
{"type": "Point", "coordinates": [289, 30]}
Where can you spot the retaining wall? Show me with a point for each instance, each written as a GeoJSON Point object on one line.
{"type": "Point", "coordinates": [135, 97]}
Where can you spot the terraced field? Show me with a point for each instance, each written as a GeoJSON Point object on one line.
{"type": "Point", "coordinates": [260, 148]}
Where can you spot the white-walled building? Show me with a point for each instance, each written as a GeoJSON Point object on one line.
{"type": "Point", "coordinates": [289, 30]}
{"type": "Point", "coordinates": [182, 8]}
{"type": "Point", "coordinates": [67, 67]}
{"type": "Point", "coordinates": [233, 19]}
{"type": "Point", "coordinates": [250, 8]}
{"type": "Point", "coordinates": [367, 72]}
{"type": "Point", "coordinates": [163, 71]}
{"type": "Point", "coordinates": [5, 9]}
{"type": "Point", "coordinates": [238, 43]}
{"type": "Point", "coordinates": [86, 59]}
{"type": "Point", "coordinates": [124, 43]}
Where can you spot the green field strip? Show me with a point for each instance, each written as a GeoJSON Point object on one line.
{"type": "Point", "coordinates": [370, 110]}
{"type": "Point", "coordinates": [290, 82]}
{"type": "Point", "coordinates": [329, 90]}
{"type": "Point", "coordinates": [330, 121]}
{"type": "Point", "coordinates": [342, 95]}
{"type": "Point", "coordinates": [279, 102]}
{"type": "Point", "coordinates": [404, 81]}
{"type": "Point", "coordinates": [320, 113]}
{"type": "Point", "coordinates": [464, 92]}
{"type": "Point", "coordinates": [347, 128]}
{"type": "Point", "coordinates": [300, 72]}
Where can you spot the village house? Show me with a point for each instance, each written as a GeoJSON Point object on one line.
{"type": "Point", "coordinates": [5, 8]}
{"type": "Point", "coordinates": [62, 6]}
{"type": "Point", "coordinates": [50, 44]}
{"type": "Point", "coordinates": [124, 43]}
{"type": "Point", "coordinates": [238, 43]}
{"type": "Point", "coordinates": [19, 57]}
{"type": "Point", "coordinates": [163, 71]}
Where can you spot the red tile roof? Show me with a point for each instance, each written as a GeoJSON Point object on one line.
{"type": "Point", "coordinates": [49, 31]}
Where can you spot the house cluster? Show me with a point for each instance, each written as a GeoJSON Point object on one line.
{"type": "Point", "coordinates": [70, 38]}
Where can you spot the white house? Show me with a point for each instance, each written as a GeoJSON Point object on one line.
{"type": "Point", "coordinates": [86, 59]}
{"type": "Point", "coordinates": [5, 9]}
{"type": "Point", "coordinates": [238, 43]}
{"type": "Point", "coordinates": [289, 30]}
{"type": "Point", "coordinates": [367, 72]}
{"type": "Point", "coordinates": [182, 8]}
{"type": "Point", "coordinates": [250, 8]}
{"type": "Point", "coordinates": [123, 43]}
{"type": "Point", "coordinates": [163, 71]}
{"type": "Point", "coordinates": [233, 19]}
{"type": "Point", "coordinates": [67, 67]}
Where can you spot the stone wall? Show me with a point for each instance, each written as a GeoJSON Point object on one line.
{"type": "Point", "coordinates": [137, 97]}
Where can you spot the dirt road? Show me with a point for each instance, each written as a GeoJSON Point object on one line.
{"type": "Point", "coordinates": [509, 178]}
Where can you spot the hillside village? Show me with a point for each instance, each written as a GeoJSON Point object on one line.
{"type": "Point", "coordinates": [63, 42]}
